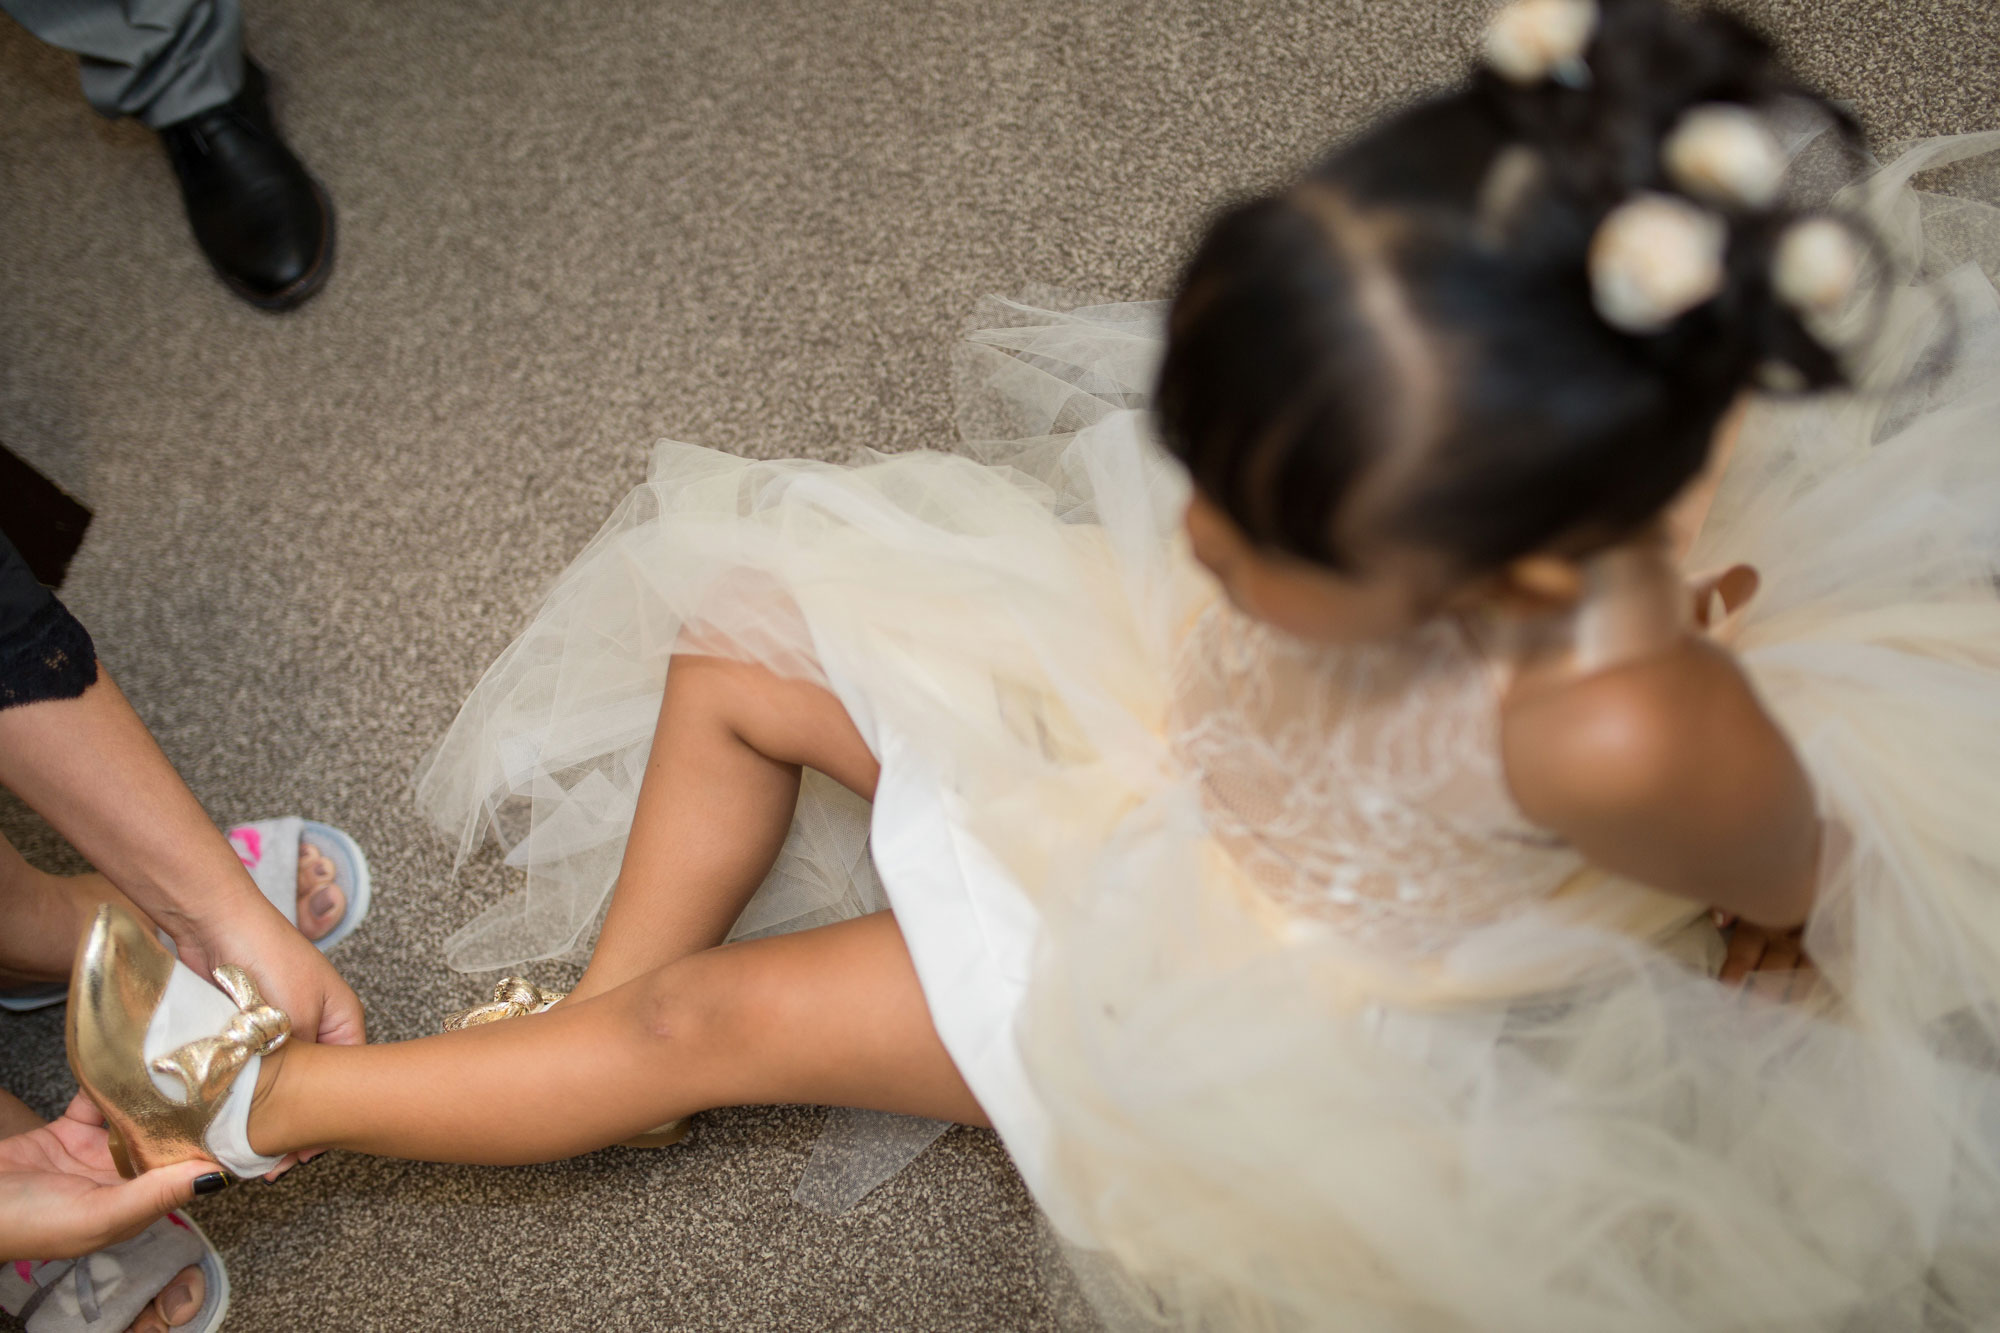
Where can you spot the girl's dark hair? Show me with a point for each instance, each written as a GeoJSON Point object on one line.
{"type": "Point", "coordinates": [1403, 346]}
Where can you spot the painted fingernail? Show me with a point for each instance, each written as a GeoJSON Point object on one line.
{"type": "Point", "coordinates": [212, 1183]}
{"type": "Point", "coordinates": [322, 902]}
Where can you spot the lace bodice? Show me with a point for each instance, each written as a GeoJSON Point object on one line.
{"type": "Point", "coordinates": [1361, 786]}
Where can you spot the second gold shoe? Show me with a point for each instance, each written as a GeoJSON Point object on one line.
{"type": "Point", "coordinates": [169, 1059]}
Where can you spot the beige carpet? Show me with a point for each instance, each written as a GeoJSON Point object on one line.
{"type": "Point", "coordinates": [570, 227]}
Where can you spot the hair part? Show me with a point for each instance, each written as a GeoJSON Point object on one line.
{"type": "Point", "coordinates": [1403, 348]}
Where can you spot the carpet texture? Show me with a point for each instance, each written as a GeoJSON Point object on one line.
{"type": "Point", "coordinates": [568, 228]}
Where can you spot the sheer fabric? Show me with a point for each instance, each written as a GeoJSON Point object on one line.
{"type": "Point", "coordinates": [1479, 1087]}
{"type": "Point", "coordinates": [1360, 788]}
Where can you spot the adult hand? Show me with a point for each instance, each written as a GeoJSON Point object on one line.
{"type": "Point", "coordinates": [292, 973]}
{"type": "Point", "coordinates": [89, 766]}
{"type": "Point", "coordinates": [61, 1196]}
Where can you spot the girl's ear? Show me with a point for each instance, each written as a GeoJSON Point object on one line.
{"type": "Point", "coordinates": [1540, 582]}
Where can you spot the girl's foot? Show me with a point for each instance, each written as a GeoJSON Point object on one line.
{"type": "Point", "coordinates": [170, 1060]}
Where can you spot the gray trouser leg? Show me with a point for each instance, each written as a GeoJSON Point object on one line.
{"type": "Point", "coordinates": [159, 60]}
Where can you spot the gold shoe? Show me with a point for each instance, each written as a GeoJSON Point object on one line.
{"type": "Point", "coordinates": [512, 998]}
{"type": "Point", "coordinates": [119, 981]}
{"type": "Point", "coordinates": [516, 998]}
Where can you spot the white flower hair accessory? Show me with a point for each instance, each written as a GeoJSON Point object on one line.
{"type": "Point", "coordinates": [1532, 40]}
{"type": "Point", "coordinates": [1654, 258]}
{"type": "Point", "coordinates": [1815, 267]}
{"type": "Point", "coordinates": [1724, 153]}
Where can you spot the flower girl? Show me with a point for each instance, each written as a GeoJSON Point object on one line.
{"type": "Point", "coordinates": [1304, 765]}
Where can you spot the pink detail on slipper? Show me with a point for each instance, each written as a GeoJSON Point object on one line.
{"type": "Point", "coordinates": [249, 844]}
{"type": "Point", "coordinates": [26, 1271]}
{"type": "Point", "coordinates": [179, 1221]}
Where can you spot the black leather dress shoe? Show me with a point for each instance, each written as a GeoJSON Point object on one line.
{"type": "Point", "coordinates": [264, 223]}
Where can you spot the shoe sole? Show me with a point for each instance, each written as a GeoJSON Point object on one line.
{"type": "Point", "coordinates": [122, 971]}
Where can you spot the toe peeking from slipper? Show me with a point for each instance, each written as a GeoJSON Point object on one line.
{"type": "Point", "coordinates": [306, 868]}
{"type": "Point", "coordinates": [109, 1289]}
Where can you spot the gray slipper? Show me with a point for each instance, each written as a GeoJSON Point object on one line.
{"type": "Point", "coordinates": [269, 850]}
{"type": "Point", "coordinates": [26, 999]}
{"type": "Point", "coordinates": [105, 1291]}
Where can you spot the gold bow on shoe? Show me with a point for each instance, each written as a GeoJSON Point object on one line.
{"type": "Point", "coordinates": [119, 981]}
{"type": "Point", "coordinates": [512, 998]}
{"type": "Point", "coordinates": [208, 1065]}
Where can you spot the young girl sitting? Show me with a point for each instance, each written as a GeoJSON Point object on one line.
{"type": "Point", "coordinates": [1302, 848]}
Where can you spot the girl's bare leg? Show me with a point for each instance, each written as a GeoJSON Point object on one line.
{"type": "Point", "coordinates": [663, 1023]}
{"type": "Point", "coordinates": [720, 787]}
{"type": "Point", "coordinates": [833, 1015]}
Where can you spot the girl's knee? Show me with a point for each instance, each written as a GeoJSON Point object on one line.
{"type": "Point", "coordinates": [787, 718]}
{"type": "Point", "coordinates": [721, 686]}
{"type": "Point", "coordinates": [669, 1010]}
{"type": "Point", "coordinates": [724, 1007]}
{"type": "Point", "coordinates": [697, 672]}
{"type": "Point", "coordinates": [703, 1003]}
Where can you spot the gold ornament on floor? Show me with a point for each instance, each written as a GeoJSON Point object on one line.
{"type": "Point", "coordinates": [120, 978]}
{"type": "Point", "coordinates": [515, 997]}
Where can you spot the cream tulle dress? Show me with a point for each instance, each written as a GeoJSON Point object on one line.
{"type": "Point", "coordinates": [1288, 1016]}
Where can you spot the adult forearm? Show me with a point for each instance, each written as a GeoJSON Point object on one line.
{"type": "Point", "coordinates": [89, 766]}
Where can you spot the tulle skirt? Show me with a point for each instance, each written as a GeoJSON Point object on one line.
{"type": "Point", "coordinates": [1563, 1124]}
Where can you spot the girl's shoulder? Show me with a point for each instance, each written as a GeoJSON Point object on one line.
{"type": "Point", "coordinates": [1668, 770]}
{"type": "Point", "coordinates": [1628, 736]}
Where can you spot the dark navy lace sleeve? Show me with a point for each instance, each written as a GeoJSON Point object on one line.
{"type": "Point", "coordinates": [45, 652]}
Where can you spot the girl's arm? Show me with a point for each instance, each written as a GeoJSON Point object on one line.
{"type": "Point", "coordinates": [1669, 772]}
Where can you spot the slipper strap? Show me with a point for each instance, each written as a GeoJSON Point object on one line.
{"type": "Point", "coordinates": [269, 850]}
{"type": "Point", "coordinates": [102, 1292]}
